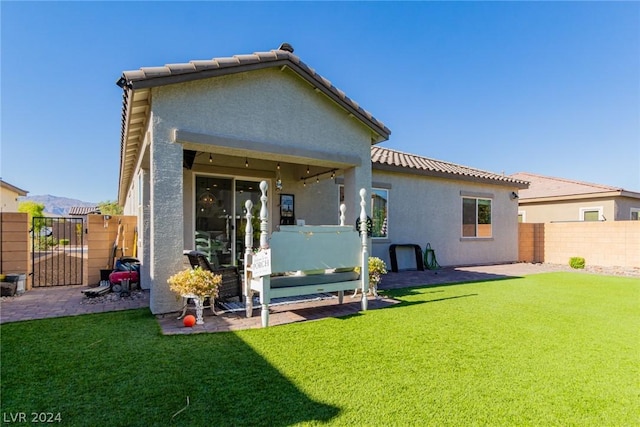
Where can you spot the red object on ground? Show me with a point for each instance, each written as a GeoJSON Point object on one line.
{"type": "Point", "coordinates": [189, 321]}
{"type": "Point", "coordinates": [118, 276]}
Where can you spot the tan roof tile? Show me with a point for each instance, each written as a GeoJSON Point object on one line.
{"type": "Point", "coordinates": [137, 82]}
{"type": "Point", "coordinates": [385, 158]}
{"type": "Point", "coordinates": [548, 186]}
{"type": "Point", "coordinates": [181, 68]}
{"type": "Point", "coordinates": [196, 69]}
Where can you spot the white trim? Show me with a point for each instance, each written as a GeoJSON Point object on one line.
{"type": "Point", "coordinates": [388, 191]}
{"type": "Point", "coordinates": [524, 215]}
{"type": "Point", "coordinates": [476, 198]}
{"type": "Point", "coordinates": [599, 209]}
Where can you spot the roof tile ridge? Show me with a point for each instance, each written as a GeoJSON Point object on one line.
{"type": "Point", "coordinates": [575, 181]}
{"type": "Point", "coordinates": [465, 170]}
{"type": "Point", "coordinates": [436, 160]}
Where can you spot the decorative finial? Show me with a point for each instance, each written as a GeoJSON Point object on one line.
{"type": "Point", "coordinates": [286, 47]}
{"type": "Point", "coordinates": [264, 215]}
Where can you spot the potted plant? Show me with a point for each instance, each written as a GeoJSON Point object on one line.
{"type": "Point", "coordinates": [377, 268]}
{"type": "Point", "coordinates": [197, 284]}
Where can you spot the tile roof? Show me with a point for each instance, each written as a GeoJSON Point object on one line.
{"type": "Point", "coordinates": [201, 69]}
{"type": "Point", "coordinates": [548, 186]}
{"type": "Point", "coordinates": [83, 210]}
{"type": "Point", "coordinates": [385, 158]}
{"type": "Point", "coordinates": [136, 85]}
{"type": "Point", "coordinates": [19, 191]}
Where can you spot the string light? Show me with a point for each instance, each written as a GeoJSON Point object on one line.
{"type": "Point", "coordinates": [308, 170]}
{"type": "Point", "coordinates": [246, 162]}
{"type": "Point", "coordinates": [278, 166]}
{"type": "Point", "coordinates": [210, 158]}
{"type": "Point", "coordinates": [318, 175]}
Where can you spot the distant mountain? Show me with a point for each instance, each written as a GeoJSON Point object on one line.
{"type": "Point", "coordinates": [55, 205]}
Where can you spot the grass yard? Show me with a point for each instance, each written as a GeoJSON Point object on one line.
{"type": "Point", "coordinates": [549, 349]}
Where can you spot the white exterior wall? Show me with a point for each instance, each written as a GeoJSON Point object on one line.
{"type": "Point", "coordinates": [267, 106]}
{"type": "Point", "coordinates": [429, 210]}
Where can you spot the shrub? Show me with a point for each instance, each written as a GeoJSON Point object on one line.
{"type": "Point", "coordinates": [576, 262]}
{"type": "Point", "coordinates": [63, 242]}
{"type": "Point", "coordinates": [196, 281]}
{"type": "Point", "coordinates": [377, 268]}
{"type": "Point", "coordinates": [44, 243]}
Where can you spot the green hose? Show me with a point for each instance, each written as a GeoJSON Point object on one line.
{"type": "Point", "coordinates": [430, 258]}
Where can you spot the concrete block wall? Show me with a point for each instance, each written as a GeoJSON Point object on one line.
{"type": "Point", "coordinates": [531, 242]}
{"type": "Point", "coordinates": [100, 237]}
{"type": "Point", "coordinates": [605, 244]}
{"type": "Point", "coordinates": [14, 246]}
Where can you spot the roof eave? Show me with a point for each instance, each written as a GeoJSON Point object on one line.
{"type": "Point", "coordinates": [382, 133]}
{"type": "Point", "coordinates": [598, 195]}
{"type": "Point", "coordinates": [449, 175]}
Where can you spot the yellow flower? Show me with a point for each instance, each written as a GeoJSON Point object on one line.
{"type": "Point", "coordinates": [195, 281]}
{"type": "Point", "coordinates": [377, 268]}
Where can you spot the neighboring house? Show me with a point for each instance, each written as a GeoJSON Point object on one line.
{"type": "Point", "coordinates": [198, 138]}
{"type": "Point", "coordinates": [83, 210]}
{"type": "Point", "coordinates": [550, 199]}
{"type": "Point", "coordinates": [9, 196]}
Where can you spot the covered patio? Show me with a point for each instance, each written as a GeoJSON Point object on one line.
{"type": "Point", "coordinates": [199, 136]}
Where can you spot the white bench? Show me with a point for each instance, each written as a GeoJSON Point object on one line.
{"type": "Point", "coordinates": [304, 260]}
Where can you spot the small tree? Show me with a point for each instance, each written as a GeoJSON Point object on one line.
{"type": "Point", "coordinates": [110, 207]}
{"type": "Point", "coordinates": [33, 210]}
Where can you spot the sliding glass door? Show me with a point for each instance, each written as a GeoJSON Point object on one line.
{"type": "Point", "coordinates": [220, 217]}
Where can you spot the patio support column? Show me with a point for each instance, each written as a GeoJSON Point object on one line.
{"type": "Point", "coordinates": [354, 179]}
{"type": "Point", "coordinates": [166, 208]}
{"type": "Point", "coordinates": [145, 230]}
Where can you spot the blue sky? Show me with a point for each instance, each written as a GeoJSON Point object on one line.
{"type": "Point", "coordinates": [546, 87]}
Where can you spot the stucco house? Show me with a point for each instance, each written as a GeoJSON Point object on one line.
{"type": "Point", "coordinates": [198, 137]}
{"type": "Point", "coordinates": [9, 196]}
{"type": "Point", "coordinates": [551, 199]}
{"type": "Point", "coordinates": [467, 215]}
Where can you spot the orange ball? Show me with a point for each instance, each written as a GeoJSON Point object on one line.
{"type": "Point", "coordinates": [189, 321]}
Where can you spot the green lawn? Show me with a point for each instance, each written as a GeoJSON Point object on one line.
{"type": "Point", "coordinates": [549, 349]}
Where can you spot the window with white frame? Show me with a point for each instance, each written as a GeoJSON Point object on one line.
{"type": "Point", "coordinates": [379, 212]}
{"type": "Point", "coordinates": [379, 209]}
{"type": "Point", "coordinates": [476, 217]}
{"type": "Point", "coordinates": [635, 214]}
{"type": "Point", "coordinates": [591, 214]}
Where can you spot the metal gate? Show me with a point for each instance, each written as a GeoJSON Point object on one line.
{"type": "Point", "coordinates": [57, 251]}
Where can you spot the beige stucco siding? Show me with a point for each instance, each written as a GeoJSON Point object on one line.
{"type": "Point", "coordinates": [266, 106]}
{"type": "Point", "coordinates": [272, 107]}
{"type": "Point", "coordinates": [8, 200]}
{"type": "Point", "coordinates": [624, 205]}
{"type": "Point", "coordinates": [566, 210]}
{"type": "Point", "coordinates": [267, 116]}
{"type": "Point", "coordinates": [429, 210]}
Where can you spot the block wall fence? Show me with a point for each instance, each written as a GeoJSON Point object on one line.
{"type": "Point", "coordinates": [605, 244]}
{"type": "Point", "coordinates": [99, 238]}
{"type": "Point", "coordinates": [14, 245]}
